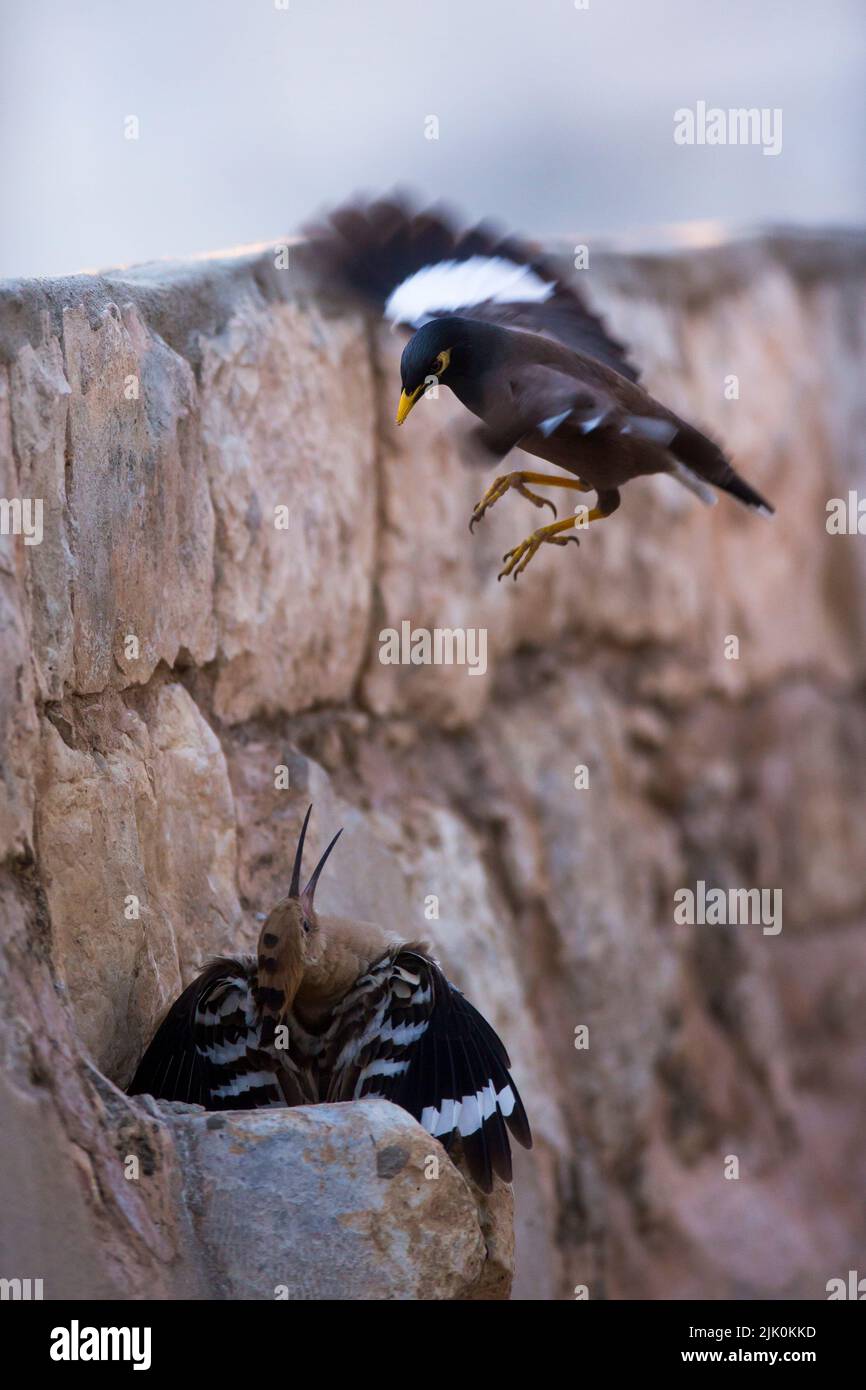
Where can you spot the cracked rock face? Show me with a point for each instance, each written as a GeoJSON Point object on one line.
{"type": "Point", "coordinates": [182, 673]}
{"type": "Point", "coordinates": [327, 1202]}
{"type": "Point", "coordinates": [286, 428]}
{"type": "Point", "coordinates": [129, 873]}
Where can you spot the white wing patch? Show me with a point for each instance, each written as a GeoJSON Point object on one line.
{"type": "Point", "coordinates": [248, 1081]}
{"type": "Point", "coordinates": [460, 284]}
{"type": "Point", "coordinates": [587, 426]}
{"type": "Point", "coordinates": [467, 1115]}
{"type": "Point", "coordinates": [553, 422]}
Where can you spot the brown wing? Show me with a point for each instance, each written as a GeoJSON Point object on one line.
{"type": "Point", "coordinates": [372, 248]}
{"type": "Point", "coordinates": [539, 398]}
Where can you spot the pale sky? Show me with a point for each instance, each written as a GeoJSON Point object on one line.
{"type": "Point", "coordinates": [552, 118]}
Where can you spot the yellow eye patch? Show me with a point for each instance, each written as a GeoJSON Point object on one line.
{"type": "Point", "coordinates": [408, 399]}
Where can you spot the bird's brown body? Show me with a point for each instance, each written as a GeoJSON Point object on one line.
{"type": "Point", "coordinates": [605, 468]}
{"type": "Point", "coordinates": [352, 947]}
{"type": "Point", "coordinates": [333, 1009]}
{"type": "Point", "coordinates": [604, 458]}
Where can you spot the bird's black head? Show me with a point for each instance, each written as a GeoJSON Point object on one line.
{"type": "Point", "coordinates": [435, 353]}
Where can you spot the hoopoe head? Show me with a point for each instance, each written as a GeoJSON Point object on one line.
{"type": "Point", "coordinates": [290, 939]}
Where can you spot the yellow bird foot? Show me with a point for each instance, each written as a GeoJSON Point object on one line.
{"type": "Point", "coordinates": [511, 482]}
{"type": "Point", "coordinates": [517, 559]}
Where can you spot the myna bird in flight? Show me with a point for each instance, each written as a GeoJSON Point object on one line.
{"type": "Point", "coordinates": [331, 1009]}
{"type": "Point", "coordinates": [493, 319]}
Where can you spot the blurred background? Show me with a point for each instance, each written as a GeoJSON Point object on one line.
{"type": "Point", "coordinates": [254, 113]}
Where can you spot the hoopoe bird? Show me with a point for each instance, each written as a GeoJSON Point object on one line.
{"type": "Point", "coordinates": [331, 1009]}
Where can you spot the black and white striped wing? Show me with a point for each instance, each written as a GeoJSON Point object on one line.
{"type": "Point", "coordinates": [404, 1033]}
{"type": "Point", "coordinates": [207, 1050]}
{"type": "Point", "coordinates": [415, 266]}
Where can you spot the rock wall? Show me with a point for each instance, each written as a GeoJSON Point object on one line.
{"type": "Point", "coordinates": [167, 647]}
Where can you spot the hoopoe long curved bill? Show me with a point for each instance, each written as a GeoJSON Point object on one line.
{"type": "Point", "coordinates": [331, 1009]}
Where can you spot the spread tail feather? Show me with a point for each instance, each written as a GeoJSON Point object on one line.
{"type": "Point", "coordinates": [747, 495]}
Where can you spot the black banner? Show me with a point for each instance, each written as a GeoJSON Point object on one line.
{"type": "Point", "coordinates": [83, 1338]}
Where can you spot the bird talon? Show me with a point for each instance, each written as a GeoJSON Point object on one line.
{"type": "Point", "coordinates": [516, 560]}
{"type": "Point", "coordinates": [532, 497]}
{"type": "Point", "coordinates": [509, 560]}
{"type": "Point", "coordinates": [505, 483]}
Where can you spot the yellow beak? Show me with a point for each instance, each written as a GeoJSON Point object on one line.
{"type": "Point", "coordinates": [406, 403]}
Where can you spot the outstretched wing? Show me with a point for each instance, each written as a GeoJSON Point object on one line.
{"type": "Point", "coordinates": [539, 398]}
{"type": "Point", "coordinates": [415, 266]}
{"type": "Point", "coordinates": [207, 1050]}
{"type": "Point", "coordinates": [404, 1033]}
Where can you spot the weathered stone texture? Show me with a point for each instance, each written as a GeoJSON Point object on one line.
{"type": "Point", "coordinates": [18, 722]}
{"type": "Point", "coordinates": [137, 852]}
{"type": "Point", "coordinates": [326, 1202]}
{"type": "Point", "coordinates": [287, 423]}
{"type": "Point", "coordinates": [143, 524]}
